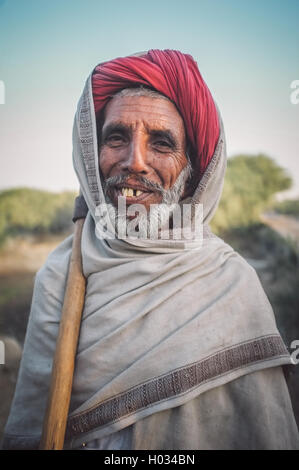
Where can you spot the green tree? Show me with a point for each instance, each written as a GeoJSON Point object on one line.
{"type": "Point", "coordinates": [25, 210]}
{"type": "Point", "coordinates": [249, 187]}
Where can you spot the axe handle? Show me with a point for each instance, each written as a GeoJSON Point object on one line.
{"type": "Point", "coordinates": [64, 359]}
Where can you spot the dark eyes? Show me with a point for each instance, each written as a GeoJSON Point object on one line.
{"type": "Point", "coordinates": [162, 146]}
{"type": "Point", "coordinates": [117, 140]}
{"type": "Point", "coordinates": [114, 139]}
{"type": "Point", "coordinates": [162, 143]}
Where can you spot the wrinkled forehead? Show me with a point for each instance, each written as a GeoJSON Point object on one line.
{"type": "Point", "coordinates": [144, 113]}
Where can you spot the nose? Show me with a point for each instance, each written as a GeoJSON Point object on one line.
{"type": "Point", "coordinates": [135, 160]}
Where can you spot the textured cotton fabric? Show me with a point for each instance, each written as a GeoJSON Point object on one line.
{"type": "Point", "coordinates": [224, 418]}
{"type": "Point", "coordinates": [170, 329]}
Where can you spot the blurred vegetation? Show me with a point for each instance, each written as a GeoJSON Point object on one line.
{"type": "Point", "coordinates": [29, 211]}
{"type": "Point", "coordinates": [287, 207]}
{"type": "Point", "coordinates": [250, 185]}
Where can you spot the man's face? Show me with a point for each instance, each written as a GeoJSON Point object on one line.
{"type": "Point", "coordinates": [143, 139]}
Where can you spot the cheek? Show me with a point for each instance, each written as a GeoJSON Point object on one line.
{"type": "Point", "coordinates": [106, 162]}
{"type": "Point", "coordinates": [169, 169]}
{"type": "Point", "coordinates": [166, 167]}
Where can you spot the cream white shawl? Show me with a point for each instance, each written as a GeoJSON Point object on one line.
{"type": "Point", "coordinates": [164, 321]}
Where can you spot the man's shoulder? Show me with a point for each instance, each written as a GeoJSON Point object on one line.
{"type": "Point", "coordinates": [55, 268]}
{"type": "Point", "coordinates": [49, 286]}
{"type": "Point", "coordinates": [239, 271]}
{"type": "Point", "coordinates": [233, 258]}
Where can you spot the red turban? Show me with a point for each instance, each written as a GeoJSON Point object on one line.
{"type": "Point", "coordinates": [176, 76]}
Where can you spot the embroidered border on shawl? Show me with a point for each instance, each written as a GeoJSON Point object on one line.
{"type": "Point", "coordinates": [176, 382]}
{"type": "Point", "coordinates": [87, 144]}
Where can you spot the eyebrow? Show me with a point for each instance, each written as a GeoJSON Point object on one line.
{"type": "Point", "coordinates": [164, 133]}
{"type": "Point", "coordinates": [114, 127]}
{"type": "Point", "coordinates": [127, 129]}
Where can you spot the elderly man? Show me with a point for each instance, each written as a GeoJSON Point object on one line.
{"type": "Point", "coordinates": [178, 346]}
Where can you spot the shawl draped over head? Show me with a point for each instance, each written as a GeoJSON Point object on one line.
{"type": "Point", "coordinates": [176, 76]}
{"type": "Point", "coordinates": [165, 322]}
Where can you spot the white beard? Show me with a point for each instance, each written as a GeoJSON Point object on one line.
{"type": "Point", "coordinates": [153, 224]}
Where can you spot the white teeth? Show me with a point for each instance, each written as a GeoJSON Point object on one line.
{"type": "Point", "coordinates": [126, 192]}
{"type": "Point", "coordinates": [129, 192]}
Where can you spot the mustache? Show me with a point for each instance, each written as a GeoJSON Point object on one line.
{"type": "Point", "coordinates": [122, 179]}
{"type": "Point", "coordinates": [169, 196]}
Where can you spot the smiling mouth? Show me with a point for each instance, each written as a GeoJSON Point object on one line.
{"type": "Point", "coordinates": [132, 194]}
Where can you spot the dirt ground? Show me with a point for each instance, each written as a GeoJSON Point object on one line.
{"type": "Point", "coordinates": [286, 226]}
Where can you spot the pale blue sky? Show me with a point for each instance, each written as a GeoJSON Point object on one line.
{"type": "Point", "coordinates": [248, 53]}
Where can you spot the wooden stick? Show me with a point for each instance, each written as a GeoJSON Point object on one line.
{"type": "Point", "coordinates": [64, 360]}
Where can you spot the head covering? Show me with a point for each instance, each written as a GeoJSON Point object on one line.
{"type": "Point", "coordinates": [163, 320]}
{"type": "Point", "coordinates": [176, 76]}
